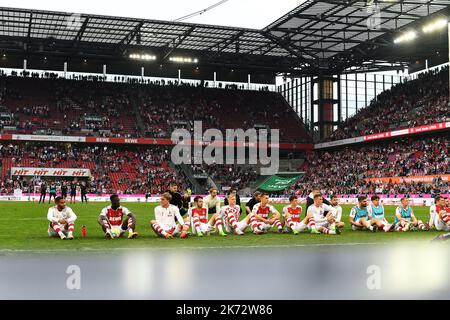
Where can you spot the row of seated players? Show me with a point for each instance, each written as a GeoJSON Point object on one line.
{"type": "Point", "coordinates": [115, 220]}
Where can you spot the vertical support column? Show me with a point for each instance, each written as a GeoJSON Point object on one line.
{"type": "Point", "coordinates": [104, 70]}
{"type": "Point", "coordinates": [65, 69]}
{"type": "Point", "coordinates": [142, 72]}
{"type": "Point", "coordinates": [215, 79]}
{"type": "Point", "coordinates": [248, 81]}
{"type": "Point", "coordinates": [24, 64]}
{"type": "Point", "coordinates": [339, 107]}
{"type": "Point", "coordinates": [311, 114]}
{"type": "Point", "coordinates": [301, 98]}
{"type": "Point", "coordinates": [179, 76]}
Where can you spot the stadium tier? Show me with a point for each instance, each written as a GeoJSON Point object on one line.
{"type": "Point", "coordinates": [410, 104]}
{"type": "Point", "coordinates": [81, 107]}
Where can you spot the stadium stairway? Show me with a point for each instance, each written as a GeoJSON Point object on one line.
{"type": "Point", "coordinates": [196, 187]}
{"type": "Point", "coordinates": [135, 102]}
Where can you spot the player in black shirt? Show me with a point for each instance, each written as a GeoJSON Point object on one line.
{"type": "Point", "coordinates": [83, 192]}
{"type": "Point", "coordinates": [43, 192]}
{"type": "Point", "coordinates": [256, 199]}
{"type": "Point", "coordinates": [64, 190]}
{"type": "Point", "coordinates": [73, 192]}
{"type": "Point", "coordinates": [310, 198]}
{"type": "Point", "coordinates": [177, 198]}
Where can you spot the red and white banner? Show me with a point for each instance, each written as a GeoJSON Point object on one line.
{"type": "Point", "coordinates": [410, 179]}
{"type": "Point", "coordinates": [50, 172]}
{"type": "Point", "coordinates": [403, 132]}
{"type": "Point", "coordinates": [146, 141]}
{"type": "Point", "coordinates": [384, 135]}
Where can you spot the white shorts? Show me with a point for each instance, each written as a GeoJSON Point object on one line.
{"type": "Point", "coordinates": [204, 228]}
{"type": "Point", "coordinates": [324, 224]}
{"type": "Point", "coordinates": [242, 225]}
{"type": "Point", "coordinates": [174, 230]}
{"type": "Point", "coordinates": [53, 233]}
{"type": "Point", "coordinates": [441, 225]}
{"type": "Point", "coordinates": [299, 226]}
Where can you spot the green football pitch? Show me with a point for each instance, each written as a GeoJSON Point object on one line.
{"type": "Point", "coordinates": [23, 228]}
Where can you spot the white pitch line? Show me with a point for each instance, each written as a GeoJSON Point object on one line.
{"type": "Point", "coordinates": [84, 250]}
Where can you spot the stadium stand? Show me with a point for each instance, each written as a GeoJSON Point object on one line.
{"type": "Point", "coordinates": [412, 103]}
{"type": "Point", "coordinates": [343, 171]}
{"type": "Point", "coordinates": [82, 107]}
{"type": "Point", "coordinates": [123, 170]}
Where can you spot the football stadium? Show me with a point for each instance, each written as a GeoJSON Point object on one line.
{"type": "Point", "coordinates": [312, 135]}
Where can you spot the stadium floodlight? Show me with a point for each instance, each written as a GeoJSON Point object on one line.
{"type": "Point", "coordinates": [145, 57]}
{"type": "Point", "coordinates": [183, 60]}
{"type": "Point", "coordinates": [435, 25]}
{"type": "Point", "coordinates": [407, 36]}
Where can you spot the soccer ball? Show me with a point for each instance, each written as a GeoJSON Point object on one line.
{"type": "Point", "coordinates": [115, 232]}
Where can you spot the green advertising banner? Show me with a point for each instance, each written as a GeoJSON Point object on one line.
{"type": "Point", "coordinates": [278, 183]}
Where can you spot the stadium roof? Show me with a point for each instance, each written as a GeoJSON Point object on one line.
{"type": "Point", "coordinates": [319, 34]}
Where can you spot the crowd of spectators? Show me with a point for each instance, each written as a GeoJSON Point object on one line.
{"type": "Point", "coordinates": [409, 104]}
{"type": "Point", "coordinates": [136, 109]}
{"type": "Point", "coordinates": [345, 171]}
{"type": "Point", "coordinates": [123, 170]}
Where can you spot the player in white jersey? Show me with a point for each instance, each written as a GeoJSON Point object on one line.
{"type": "Point", "coordinates": [375, 211]}
{"type": "Point", "coordinates": [316, 219]}
{"type": "Point", "coordinates": [338, 217]}
{"type": "Point", "coordinates": [291, 214]}
{"type": "Point", "coordinates": [62, 220]}
{"type": "Point", "coordinates": [265, 216]}
{"type": "Point", "coordinates": [199, 219]}
{"type": "Point", "coordinates": [166, 217]}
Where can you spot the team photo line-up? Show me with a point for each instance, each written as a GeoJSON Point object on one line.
{"type": "Point", "coordinates": [206, 215]}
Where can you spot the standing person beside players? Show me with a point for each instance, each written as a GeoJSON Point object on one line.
{"type": "Point", "coordinates": [212, 201]}
{"type": "Point", "coordinates": [52, 193]}
{"type": "Point", "coordinates": [176, 198]}
{"type": "Point", "coordinates": [73, 192]}
{"type": "Point", "coordinates": [83, 192]}
{"type": "Point", "coordinates": [166, 217]}
{"type": "Point", "coordinates": [376, 214]}
{"type": "Point", "coordinates": [254, 200]}
{"type": "Point", "coordinates": [43, 192]}
{"type": "Point", "coordinates": [359, 216]}
{"type": "Point", "coordinates": [310, 199]}
{"type": "Point", "coordinates": [64, 190]}
{"type": "Point", "coordinates": [62, 220]}
{"type": "Point", "coordinates": [113, 217]}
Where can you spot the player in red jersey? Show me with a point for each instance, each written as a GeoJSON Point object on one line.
{"type": "Point", "coordinates": [199, 219]}
{"type": "Point", "coordinates": [261, 220]}
{"type": "Point", "coordinates": [442, 216]}
{"type": "Point", "coordinates": [292, 214]}
{"type": "Point", "coordinates": [112, 219]}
